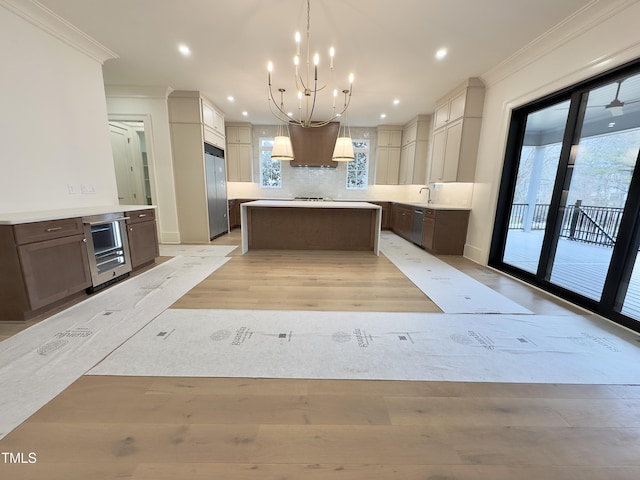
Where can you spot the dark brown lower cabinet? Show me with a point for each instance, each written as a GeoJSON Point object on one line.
{"type": "Point", "coordinates": [43, 263]}
{"type": "Point", "coordinates": [143, 237]}
{"type": "Point", "coordinates": [444, 232]}
{"type": "Point", "coordinates": [401, 219]}
{"type": "Point", "coordinates": [54, 269]}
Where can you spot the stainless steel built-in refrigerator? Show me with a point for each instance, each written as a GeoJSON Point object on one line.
{"type": "Point", "coordinates": [216, 191]}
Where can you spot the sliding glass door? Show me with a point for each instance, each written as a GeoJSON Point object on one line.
{"type": "Point", "coordinates": [537, 168]}
{"type": "Point", "coordinates": [570, 196]}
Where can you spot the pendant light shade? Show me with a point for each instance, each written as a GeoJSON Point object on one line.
{"type": "Point", "coordinates": [282, 149]}
{"type": "Point", "coordinates": [343, 152]}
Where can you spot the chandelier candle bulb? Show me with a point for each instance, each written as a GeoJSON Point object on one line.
{"type": "Point", "coordinates": [332, 52]}
{"type": "Point", "coordinates": [298, 44]}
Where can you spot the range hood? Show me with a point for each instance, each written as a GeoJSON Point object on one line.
{"type": "Point", "coordinates": [313, 146]}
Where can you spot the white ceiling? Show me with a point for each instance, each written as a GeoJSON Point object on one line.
{"type": "Point", "coordinates": [388, 44]}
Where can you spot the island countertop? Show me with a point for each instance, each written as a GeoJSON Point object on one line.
{"type": "Point", "coordinates": [311, 204]}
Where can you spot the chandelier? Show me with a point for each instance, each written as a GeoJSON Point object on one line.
{"type": "Point", "coordinates": [308, 87]}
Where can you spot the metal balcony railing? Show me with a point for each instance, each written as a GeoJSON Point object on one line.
{"type": "Point", "coordinates": [581, 223]}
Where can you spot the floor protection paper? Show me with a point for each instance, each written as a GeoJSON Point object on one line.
{"type": "Point", "coordinates": [172, 250]}
{"type": "Point", "coordinates": [382, 346]}
{"type": "Point", "coordinates": [449, 288]}
{"type": "Point", "coordinates": [41, 361]}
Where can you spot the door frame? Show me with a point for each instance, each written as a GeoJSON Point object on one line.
{"type": "Point", "coordinates": [629, 233]}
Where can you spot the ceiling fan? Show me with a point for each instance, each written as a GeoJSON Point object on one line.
{"type": "Point", "coordinates": [615, 106]}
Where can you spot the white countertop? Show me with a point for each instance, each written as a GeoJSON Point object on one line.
{"type": "Point", "coordinates": [434, 206]}
{"type": "Point", "coordinates": [45, 215]}
{"type": "Point", "coordinates": [309, 204]}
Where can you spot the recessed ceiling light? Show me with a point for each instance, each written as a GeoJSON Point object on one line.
{"type": "Point", "coordinates": [184, 50]}
{"type": "Point", "coordinates": [383, 115]}
{"type": "Point", "coordinates": [612, 124]}
{"type": "Point", "coordinates": [396, 102]}
{"type": "Point", "coordinates": [440, 54]}
{"type": "Point", "coordinates": [230, 98]}
{"type": "Point", "coordinates": [245, 113]}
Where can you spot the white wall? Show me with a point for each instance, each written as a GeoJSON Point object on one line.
{"type": "Point", "coordinates": [149, 104]}
{"type": "Point", "coordinates": [53, 119]}
{"type": "Point", "coordinates": [593, 41]}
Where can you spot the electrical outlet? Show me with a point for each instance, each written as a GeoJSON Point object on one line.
{"type": "Point", "coordinates": [87, 189]}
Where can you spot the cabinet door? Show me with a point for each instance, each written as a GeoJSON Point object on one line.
{"type": "Point", "coordinates": [437, 157]}
{"type": "Point", "coordinates": [393, 171]}
{"type": "Point", "coordinates": [143, 243]}
{"type": "Point", "coordinates": [208, 114]}
{"type": "Point", "coordinates": [244, 134]}
{"type": "Point", "coordinates": [233, 163]}
{"type": "Point", "coordinates": [245, 162]}
{"type": "Point", "coordinates": [387, 165]}
{"type": "Point", "coordinates": [428, 233]}
{"type": "Point", "coordinates": [441, 117]}
{"type": "Point", "coordinates": [390, 138]}
{"type": "Point", "coordinates": [407, 160]}
{"type": "Point", "coordinates": [409, 134]}
{"type": "Point", "coordinates": [452, 152]}
{"type": "Point", "coordinates": [456, 106]}
{"type": "Point", "coordinates": [213, 137]}
{"type": "Point", "coordinates": [54, 269]}
{"type": "Point", "coordinates": [231, 134]}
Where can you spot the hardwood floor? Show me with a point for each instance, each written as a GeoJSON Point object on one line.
{"type": "Point", "coordinates": [145, 428]}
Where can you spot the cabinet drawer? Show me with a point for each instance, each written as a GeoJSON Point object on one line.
{"type": "Point", "coordinates": [48, 230]}
{"type": "Point", "coordinates": [137, 216]}
{"type": "Point", "coordinates": [429, 212]}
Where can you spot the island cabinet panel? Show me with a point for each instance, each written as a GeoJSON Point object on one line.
{"type": "Point", "coordinates": [311, 229]}
{"type": "Point", "coordinates": [386, 214]}
{"type": "Point", "coordinates": [143, 237]}
{"type": "Point", "coordinates": [234, 211]}
{"type": "Point", "coordinates": [444, 232]}
{"type": "Point", "coordinates": [43, 263]}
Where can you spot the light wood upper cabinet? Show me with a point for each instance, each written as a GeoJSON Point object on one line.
{"type": "Point", "coordinates": [387, 165]}
{"type": "Point", "coordinates": [415, 149]}
{"type": "Point", "coordinates": [456, 134]}
{"type": "Point", "coordinates": [388, 155]}
{"type": "Point", "coordinates": [238, 133]}
{"type": "Point", "coordinates": [239, 152]}
{"type": "Point", "coordinates": [212, 118]}
{"type": "Point", "coordinates": [389, 136]}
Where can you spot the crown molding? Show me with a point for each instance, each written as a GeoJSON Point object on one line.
{"type": "Point", "coordinates": [40, 16]}
{"type": "Point", "coordinates": [136, 91]}
{"type": "Point", "coordinates": [592, 14]}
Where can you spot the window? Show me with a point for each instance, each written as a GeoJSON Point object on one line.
{"type": "Point", "coordinates": [358, 170]}
{"type": "Point", "coordinates": [270, 170]}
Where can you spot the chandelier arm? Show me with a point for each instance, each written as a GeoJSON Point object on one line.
{"type": "Point", "coordinates": [279, 111]}
{"type": "Point", "coordinates": [280, 108]}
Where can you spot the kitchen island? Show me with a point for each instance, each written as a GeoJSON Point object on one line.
{"type": "Point", "coordinates": [310, 225]}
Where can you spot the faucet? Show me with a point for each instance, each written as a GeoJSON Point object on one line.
{"type": "Point", "coordinates": [428, 195]}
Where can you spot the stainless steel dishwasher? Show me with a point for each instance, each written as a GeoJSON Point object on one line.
{"type": "Point", "coordinates": [416, 225]}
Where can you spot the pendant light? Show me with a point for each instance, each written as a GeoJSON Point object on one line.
{"type": "Point", "coordinates": [282, 149]}
{"type": "Point", "coordinates": [343, 151]}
